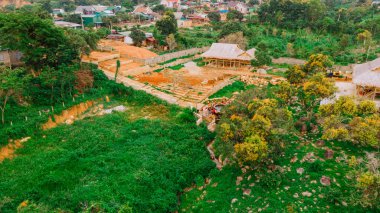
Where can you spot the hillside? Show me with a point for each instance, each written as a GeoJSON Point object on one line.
{"type": "Point", "coordinates": [17, 3]}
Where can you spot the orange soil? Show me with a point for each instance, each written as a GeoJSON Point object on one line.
{"type": "Point", "coordinates": [9, 150]}
{"type": "Point", "coordinates": [96, 55]}
{"type": "Point", "coordinates": [125, 64]}
{"type": "Point", "coordinates": [70, 113]}
{"type": "Point", "coordinates": [125, 49]}
{"type": "Point", "coordinates": [155, 79]}
{"type": "Point", "coordinates": [17, 3]}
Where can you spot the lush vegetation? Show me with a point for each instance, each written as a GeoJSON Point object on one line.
{"type": "Point", "coordinates": [284, 151]}
{"type": "Point", "coordinates": [110, 162]}
{"type": "Point", "coordinates": [229, 90]}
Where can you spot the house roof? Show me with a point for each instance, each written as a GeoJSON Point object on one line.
{"type": "Point", "coordinates": [80, 9]}
{"type": "Point", "coordinates": [142, 9]}
{"type": "Point", "coordinates": [229, 51]}
{"type": "Point", "coordinates": [178, 15]}
{"type": "Point", "coordinates": [67, 24]}
{"type": "Point", "coordinates": [367, 74]}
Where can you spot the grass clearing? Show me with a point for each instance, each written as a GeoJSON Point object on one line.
{"type": "Point", "coordinates": [229, 90]}
{"type": "Point", "coordinates": [109, 162]}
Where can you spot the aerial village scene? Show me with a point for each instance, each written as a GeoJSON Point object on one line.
{"type": "Point", "coordinates": [189, 106]}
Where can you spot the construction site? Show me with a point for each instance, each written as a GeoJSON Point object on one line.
{"type": "Point", "coordinates": [178, 76]}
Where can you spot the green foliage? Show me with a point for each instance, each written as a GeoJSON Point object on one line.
{"type": "Point", "coordinates": [41, 43]}
{"type": "Point", "coordinates": [234, 15]}
{"type": "Point", "coordinates": [167, 24]}
{"type": "Point", "coordinates": [214, 17]}
{"type": "Point", "coordinates": [12, 84]}
{"type": "Point", "coordinates": [261, 58]}
{"type": "Point", "coordinates": [229, 90]}
{"type": "Point", "coordinates": [110, 163]}
{"type": "Point", "coordinates": [248, 126]}
{"type": "Point", "coordinates": [230, 27]}
{"type": "Point", "coordinates": [138, 36]}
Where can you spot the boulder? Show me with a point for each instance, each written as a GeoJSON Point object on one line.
{"type": "Point", "coordinates": [329, 154]}
{"type": "Point", "coordinates": [325, 181]}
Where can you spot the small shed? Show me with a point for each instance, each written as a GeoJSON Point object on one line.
{"type": "Point", "coordinates": [366, 77]}
{"type": "Point", "coordinates": [228, 55]}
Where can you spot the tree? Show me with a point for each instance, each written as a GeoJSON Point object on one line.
{"type": "Point", "coordinates": [295, 74]}
{"type": "Point", "coordinates": [235, 38]}
{"type": "Point", "coordinates": [229, 28]}
{"type": "Point", "coordinates": [12, 83]}
{"type": "Point", "coordinates": [46, 5]}
{"type": "Point", "coordinates": [214, 17]}
{"type": "Point", "coordinates": [316, 88]}
{"type": "Point", "coordinates": [167, 24]}
{"type": "Point", "coordinates": [117, 69]}
{"type": "Point", "coordinates": [159, 9]}
{"type": "Point", "coordinates": [82, 41]}
{"type": "Point", "coordinates": [252, 150]}
{"type": "Point", "coordinates": [367, 107]}
{"type": "Point", "coordinates": [138, 36]}
{"type": "Point", "coordinates": [41, 43]}
{"type": "Point", "coordinates": [317, 63]}
{"type": "Point", "coordinates": [234, 15]}
{"type": "Point", "coordinates": [170, 40]}
{"type": "Point", "coordinates": [261, 58]}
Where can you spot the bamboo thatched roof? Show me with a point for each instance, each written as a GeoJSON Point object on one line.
{"type": "Point", "coordinates": [367, 74]}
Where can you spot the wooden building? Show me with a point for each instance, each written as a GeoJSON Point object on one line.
{"type": "Point", "coordinates": [366, 77]}
{"type": "Point", "coordinates": [228, 56]}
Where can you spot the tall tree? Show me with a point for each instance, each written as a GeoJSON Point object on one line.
{"type": "Point", "coordinates": [138, 36]}
{"type": "Point", "coordinates": [12, 83]}
{"type": "Point", "coordinates": [167, 24]}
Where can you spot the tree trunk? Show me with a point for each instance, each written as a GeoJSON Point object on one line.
{"type": "Point", "coordinates": [3, 110]}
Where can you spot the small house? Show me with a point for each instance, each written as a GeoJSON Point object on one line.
{"type": "Point", "coordinates": [228, 55]}
{"type": "Point", "coordinates": [366, 78]}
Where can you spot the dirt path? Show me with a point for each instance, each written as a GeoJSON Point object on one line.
{"type": "Point", "coordinates": [210, 149]}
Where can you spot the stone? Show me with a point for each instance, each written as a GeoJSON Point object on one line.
{"type": "Point", "coordinates": [286, 188]}
{"type": "Point", "coordinates": [329, 154]}
{"type": "Point", "coordinates": [294, 159]}
{"type": "Point", "coordinates": [300, 171]}
{"type": "Point", "coordinates": [234, 200]}
{"type": "Point", "coordinates": [325, 181]}
{"type": "Point", "coordinates": [252, 184]}
{"type": "Point", "coordinates": [304, 129]}
{"type": "Point", "coordinates": [246, 192]}
{"type": "Point", "coordinates": [69, 121]}
{"type": "Point", "coordinates": [306, 194]}
{"type": "Point", "coordinates": [249, 177]}
{"type": "Point", "coordinates": [296, 195]}
{"type": "Point", "coordinates": [320, 143]}
{"type": "Point", "coordinates": [238, 180]}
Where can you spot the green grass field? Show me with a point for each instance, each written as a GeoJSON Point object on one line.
{"type": "Point", "coordinates": [282, 192]}
{"type": "Point", "coordinates": [141, 159]}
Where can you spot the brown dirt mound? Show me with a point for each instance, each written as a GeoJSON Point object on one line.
{"type": "Point", "coordinates": [125, 49]}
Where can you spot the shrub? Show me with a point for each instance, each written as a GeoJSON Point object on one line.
{"type": "Point", "coordinates": [367, 107]}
